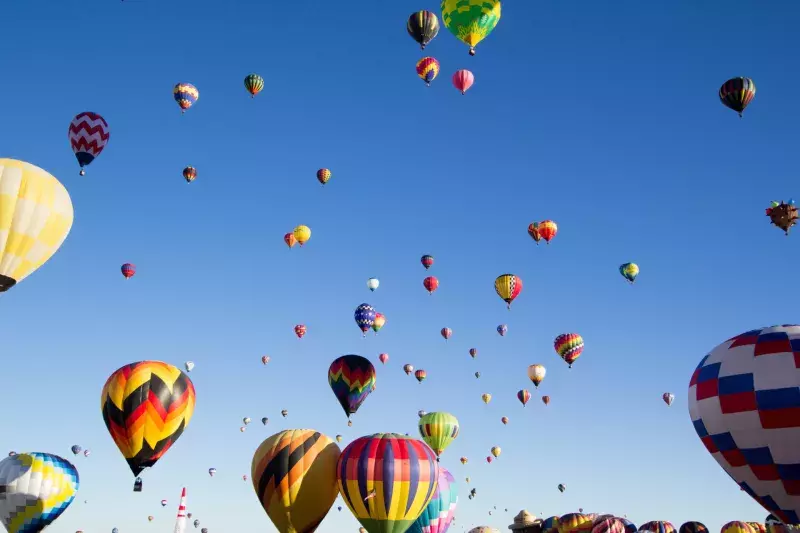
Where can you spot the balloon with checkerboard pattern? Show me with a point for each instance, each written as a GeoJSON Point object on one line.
{"type": "Point", "coordinates": [744, 402]}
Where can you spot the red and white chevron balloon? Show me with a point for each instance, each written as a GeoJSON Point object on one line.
{"type": "Point", "coordinates": [88, 135]}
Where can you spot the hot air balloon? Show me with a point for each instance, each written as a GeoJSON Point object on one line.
{"type": "Point", "coordinates": [440, 512]}
{"type": "Point", "coordinates": [550, 525]}
{"type": "Point", "coordinates": [463, 80]}
{"type": "Point", "coordinates": [264, 420]}
{"type": "Point", "coordinates": [502, 329]}
{"type": "Point", "coordinates": [185, 95]}
{"type": "Point", "coordinates": [693, 527]}
{"type": "Point", "coordinates": [323, 176]}
{"type": "Point", "coordinates": [783, 215]}
{"type": "Point", "coordinates": [383, 357]}
{"type": "Point", "coordinates": [508, 287]}
{"type": "Point", "coordinates": [561, 487]}
{"type": "Point", "coordinates": [37, 217]}
{"type": "Point", "coordinates": [246, 420]}
{"type": "Point", "coordinates": [290, 240]}
{"type": "Point", "coordinates": [473, 352]}
{"type": "Point", "coordinates": [523, 396]}
{"type": "Point", "coordinates": [661, 526]}
{"type": "Point", "coordinates": [302, 234]}
{"type": "Point", "coordinates": [737, 93]}
{"type": "Point", "coordinates": [477, 375]}
{"type": "Point", "coordinates": [352, 379]}
{"type": "Point", "coordinates": [608, 524]}
{"type": "Point", "coordinates": [758, 527]}
{"type": "Point", "coordinates": [428, 69]}
{"type": "Point", "coordinates": [294, 476]}
{"type": "Point", "coordinates": [389, 464]}
{"type": "Point", "coordinates": [536, 374]}
{"type": "Point", "coordinates": [243, 429]}
{"type": "Point", "coordinates": [470, 20]}
{"type": "Point", "coordinates": [629, 271]}
{"type": "Point", "coordinates": [546, 400]}
{"type": "Point", "coordinates": [427, 261]}
{"type": "Point", "coordinates": [420, 375]}
{"type": "Point", "coordinates": [265, 359]}
{"type": "Point", "coordinates": [438, 430]}
{"type": "Point", "coordinates": [373, 283]}
{"type": "Point", "coordinates": [87, 453]}
{"type": "Point", "coordinates": [188, 365]}
{"type": "Point", "coordinates": [408, 369]}
{"type": "Point", "coordinates": [212, 471]}
{"type": "Point", "coordinates": [338, 438]}
{"type": "Point", "coordinates": [189, 174]}
{"type": "Point", "coordinates": [37, 489]}
{"type": "Point", "coordinates": [533, 231]}
{"type": "Point", "coordinates": [364, 316]}
{"type": "Point", "coordinates": [574, 523]}
{"type": "Point", "coordinates": [380, 321]}
{"type": "Point", "coordinates": [254, 84]}
{"type": "Point", "coordinates": [422, 26]}
{"type": "Point", "coordinates": [150, 518]}
{"type": "Point", "coordinates": [569, 346]}
{"type": "Point", "coordinates": [734, 395]}
{"type": "Point", "coordinates": [164, 503]}
{"type": "Point", "coordinates": [504, 420]}
{"type": "Point", "coordinates": [300, 330]}
{"type": "Point", "coordinates": [446, 333]}
{"type": "Point", "coordinates": [76, 449]}
{"type": "Point", "coordinates": [431, 284]}
{"type": "Point", "coordinates": [196, 523]}
{"type": "Point", "coordinates": [464, 461]}
{"type": "Point", "coordinates": [285, 413]}
{"type": "Point", "coordinates": [496, 451]}
{"type": "Point", "coordinates": [486, 397]}
{"type": "Point", "coordinates": [128, 270]}
{"type": "Point", "coordinates": [146, 407]}
{"type": "Point", "coordinates": [489, 459]}
{"type": "Point", "coordinates": [668, 397]}
{"type": "Point", "coordinates": [88, 134]}
{"type": "Point", "coordinates": [421, 413]}
{"type": "Point", "coordinates": [548, 229]}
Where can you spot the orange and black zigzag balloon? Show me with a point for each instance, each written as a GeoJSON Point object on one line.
{"type": "Point", "coordinates": [146, 406]}
{"type": "Point", "coordinates": [294, 476]}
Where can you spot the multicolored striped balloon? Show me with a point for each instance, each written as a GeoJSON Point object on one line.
{"type": "Point", "coordinates": [351, 378]}
{"type": "Point", "coordinates": [574, 523]}
{"type": "Point", "coordinates": [569, 346]}
{"type": "Point", "coordinates": [508, 287]}
{"type": "Point", "coordinates": [37, 489]}
{"type": "Point", "coordinates": [693, 527]}
{"type": "Point", "coordinates": [400, 472]}
{"type": "Point", "coordinates": [428, 69]}
{"type": "Point", "coordinates": [439, 514]}
{"type": "Point", "coordinates": [438, 430]}
{"type": "Point", "coordinates": [185, 94]}
{"type": "Point", "coordinates": [661, 526]}
{"type": "Point", "coordinates": [737, 93]}
{"type": "Point", "coordinates": [294, 476]}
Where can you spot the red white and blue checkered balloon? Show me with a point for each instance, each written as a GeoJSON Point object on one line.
{"type": "Point", "coordinates": [744, 401]}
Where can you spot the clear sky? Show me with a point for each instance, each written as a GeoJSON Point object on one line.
{"type": "Point", "coordinates": [602, 116]}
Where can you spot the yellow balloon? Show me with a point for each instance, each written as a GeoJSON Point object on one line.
{"type": "Point", "coordinates": [486, 398]}
{"type": "Point", "coordinates": [302, 234]}
{"type": "Point", "coordinates": [496, 451]}
{"type": "Point", "coordinates": [35, 219]}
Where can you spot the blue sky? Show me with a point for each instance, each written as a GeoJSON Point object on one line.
{"type": "Point", "coordinates": [604, 118]}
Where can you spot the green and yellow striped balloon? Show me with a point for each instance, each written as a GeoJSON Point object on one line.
{"type": "Point", "coordinates": [254, 84]}
{"type": "Point", "coordinates": [471, 20]}
{"type": "Point", "coordinates": [438, 430]}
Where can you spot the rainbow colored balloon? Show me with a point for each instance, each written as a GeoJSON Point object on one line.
{"type": "Point", "coordinates": [659, 526]}
{"type": "Point", "coordinates": [569, 346]}
{"type": "Point", "coordinates": [438, 515]}
{"type": "Point", "coordinates": [399, 472]}
{"type": "Point", "coordinates": [352, 379]}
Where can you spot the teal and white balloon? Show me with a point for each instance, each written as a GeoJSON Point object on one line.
{"type": "Point", "coordinates": [373, 283]}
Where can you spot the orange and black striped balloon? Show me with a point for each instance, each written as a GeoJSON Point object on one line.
{"type": "Point", "coordinates": [146, 407]}
{"type": "Point", "coordinates": [294, 476]}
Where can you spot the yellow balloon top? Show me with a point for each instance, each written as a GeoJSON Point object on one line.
{"type": "Point", "coordinates": [35, 219]}
{"type": "Point", "coordinates": [302, 234]}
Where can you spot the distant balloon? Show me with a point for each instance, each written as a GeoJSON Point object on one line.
{"type": "Point", "coordinates": [264, 420]}
{"type": "Point", "coordinates": [427, 261]}
{"type": "Point", "coordinates": [188, 365]}
{"type": "Point", "coordinates": [504, 420]}
{"type": "Point", "coordinates": [470, 20]}
{"type": "Point", "coordinates": [373, 283]}
{"type": "Point", "coordinates": [324, 175]}
{"type": "Point", "coordinates": [128, 270]}
{"type": "Point", "coordinates": [737, 93]}
{"type": "Point", "coordinates": [352, 379]}
{"type": "Point", "coordinates": [473, 352]}
{"type": "Point", "coordinates": [548, 229]}
{"type": "Point", "coordinates": [463, 80]}
{"type": "Point", "coordinates": [668, 398]}
{"type": "Point", "coordinates": [536, 374]}
{"type": "Point", "coordinates": [431, 284]}
{"type": "Point", "coordinates": [420, 375]}
{"type": "Point", "coordinates": [88, 135]}
{"type": "Point", "coordinates": [446, 333]}
{"type": "Point", "coordinates": [524, 396]}
{"type": "Point", "coordinates": [546, 400]}
{"type": "Point", "coordinates": [254, 84]}
{"type": "Point", "coordinates": [380, 321]}
{"type": "Point", "coordinates": [629, 271]}
{"type": "Point", "coordinates": [408, 369]}
{"type": "Point", "coordinates": [189, 174]}
{"type": "Point", "coordinates": [569, 346]}
{"type": "Point", "coordinates": [290, 240]}
{"type": "Point", "coordinates": [383, 357]}
{"type": "Point", "coordinates": [438, 430]}
{"type": "Point", "coordinates": [300, 330]}
{"type": "Point", "coordinates": [428, 69]}
{"type": "Point", "coordinates": [423, 26]}
{"type": "Point", "coordinates": [265, 359]}
{"type": "Point", "coordinates": [302, 234]}
{"type": "Point", "coordinates": [502, 329]}
{"type": "Point", "coordinates": [533, 231]}
{"type": "Point", "coordinates": [486, 397]}
{"type": "Point", "coordinates": [508, 287]}
{"type": "Point", "coordinates": [364, 316]}
{"type": "Point", "coordinates": [185, 95]}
